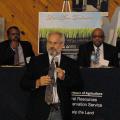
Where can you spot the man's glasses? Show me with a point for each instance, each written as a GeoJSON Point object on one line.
{"type": "Point", "coordinates": [54, 43]}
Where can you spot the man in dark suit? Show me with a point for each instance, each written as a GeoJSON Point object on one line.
{"type": "Point", "coordinates": [92, 2]}
{"type": "Point", "coordinates": [107, 53]}
{"type": "Point", "coordinates": [77, 6]}
{"type": "Point", "coordinates": [104, 6]}
{"type": "Point", "coordinates": [14, 51]}
{"type": "Point", "coordinates": [37, 79]}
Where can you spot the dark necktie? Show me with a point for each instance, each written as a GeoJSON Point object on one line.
{"type": "Point", "coordinates": [49, 88]}
{"type": "Point", "coordinates": [97, 55]}
{"type": "Point", "coordinates": [16, 57]}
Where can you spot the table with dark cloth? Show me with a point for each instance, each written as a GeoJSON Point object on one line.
{"type": "Point", "coordinates": [14, 100]}
{"type": "Point", "coordinates": [107, 82]}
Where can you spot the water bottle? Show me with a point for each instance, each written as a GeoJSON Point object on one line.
{"type": "Point", "coordinates": [93, 59]}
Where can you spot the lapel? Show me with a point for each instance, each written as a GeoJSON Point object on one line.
{"type": "Point", "coordinates": [91, 47]}
{"type": "Point", "coordinates": [44, 63]}
{"type": "Point", "coordinates": [62, 61]}
{"type": "Point", "coordinates": [89, 50]}
{"type": "Point", "coordinates": [106, 51]}
{"type": "Point", "coordinates": [46, 60]}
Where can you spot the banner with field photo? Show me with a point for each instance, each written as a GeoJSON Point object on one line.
{"type": "Point", "coordinates": [77, 28]}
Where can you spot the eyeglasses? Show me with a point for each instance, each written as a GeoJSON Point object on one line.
{"type": "Point", "coordinates": [53, 43]}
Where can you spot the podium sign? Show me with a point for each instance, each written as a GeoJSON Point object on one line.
{"type": "Point", "coordinates": [100, 97]}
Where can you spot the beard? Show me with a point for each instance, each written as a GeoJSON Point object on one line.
{"type": "Point", "coordinates": [53, 52]}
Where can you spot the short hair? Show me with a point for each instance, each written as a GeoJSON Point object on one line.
{"type": "Point", "coordinates": [100, 30]}
{"type": "Point", "coordinates": [12, 27]}
{"type": "Point", "coordinates": [56, 33]}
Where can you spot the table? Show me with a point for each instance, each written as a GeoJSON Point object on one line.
{"type": "Point", "coordinates": [105, 81]}
{"type": "Point", "coordinates": [14, 100]}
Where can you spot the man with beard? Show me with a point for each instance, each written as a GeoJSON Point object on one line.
{"type": "Point", "coordinates": [50, 94]}
{"type": "Point", "coordinates": [104, 54]}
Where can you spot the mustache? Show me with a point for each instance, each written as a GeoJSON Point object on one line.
{"type": "Point", "coordinates": [52, 49]}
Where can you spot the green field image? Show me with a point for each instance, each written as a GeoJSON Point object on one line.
{"type": "Point", "coordinates": [73, 38]}
{"type": "Point", "coordinates": [69, 33]}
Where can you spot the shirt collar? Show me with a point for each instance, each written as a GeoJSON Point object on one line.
{"type": "Point", "coordinates": [58, 57]}
{"type": "Point", "coordinates": [100, 47]}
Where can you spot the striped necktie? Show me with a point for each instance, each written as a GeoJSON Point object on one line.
{"type": "Point", "coordinates": [97, 55]}
{"type": "Point", "coordinates": [49, 88]}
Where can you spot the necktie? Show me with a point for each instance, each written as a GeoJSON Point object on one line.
{"type": "Point", "coordinates": [16, 57]}
{"type": "Point", "coordinates": [97, 55]}
{"type": "Point", "coordinates": [49, 88]}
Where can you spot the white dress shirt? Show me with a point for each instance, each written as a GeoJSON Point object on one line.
{"type": "Point", "coordinates": [21, 55]}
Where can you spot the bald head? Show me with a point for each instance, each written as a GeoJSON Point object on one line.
{"type": "Point", "coordinates": [98, 37]}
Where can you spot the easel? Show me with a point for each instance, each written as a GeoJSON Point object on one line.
{"type": "Point", "coordinates": [66, 6]}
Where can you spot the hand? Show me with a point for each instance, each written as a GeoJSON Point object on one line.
{"type": "Point", "coordinates": [43, 81]}
{"type": "Point", "coordinates": [60, 73]}
{"type": "Point", "coordinates": [14, 44]}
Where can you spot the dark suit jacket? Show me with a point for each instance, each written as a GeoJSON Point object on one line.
{"type": "Point", "coordinates": [104, 6]}
{"type": "Point", "coordinates": [85, 51]}
{"type": "Point", "coordinates": [38, 108]}
{"type": "Point", "coordinates": [7, 54]}
{"type": "Point", "coordinates": [118, 45]}
{"type": "Point", "coordinates": [92, 2]}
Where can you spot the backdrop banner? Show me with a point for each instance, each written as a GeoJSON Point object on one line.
{"type": "Point", "coordinates": [76, 27]}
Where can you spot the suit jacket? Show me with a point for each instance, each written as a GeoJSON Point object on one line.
{"type": "Point", "coordinates": [7, 54]}
{"type": "Point", "coordinates": [39, 65]}
{"type": "Point", "coordinates": [92, 2]}
{"type": "Point", "coordinates": [118, 46]}
{"type": "Point", "coordinates": [104, 6]}
{"type": "Point", "coordinates": [85, 51]}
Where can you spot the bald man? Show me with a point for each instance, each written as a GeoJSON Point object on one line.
{"type": "Point", "coordinates": [106, 54]}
